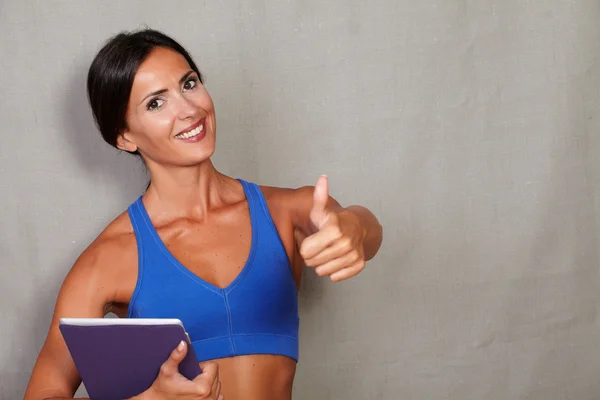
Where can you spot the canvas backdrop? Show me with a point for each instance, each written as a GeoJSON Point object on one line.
{"type": "Point", "coordinates": [469, 127]}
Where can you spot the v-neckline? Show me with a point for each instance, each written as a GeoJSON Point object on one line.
{"type": "Point", "coordinates": [187, 271]}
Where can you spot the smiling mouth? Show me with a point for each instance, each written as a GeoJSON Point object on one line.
{"type": "Point", "coordinates": [193, 132]}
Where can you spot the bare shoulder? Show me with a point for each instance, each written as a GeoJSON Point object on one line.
{"type": "Point", "coordinates": [296, 203]}
{"type": "Point", "coordinates": [107, 262]}
{"type": "Point", "coordinates": [288, 198]}
{"type": "Point", "coordinates": [118, 237]}
{"type": "Point", "coordinates": [112, 244]}
{"type": "Point", "coordinates": [278, 201]}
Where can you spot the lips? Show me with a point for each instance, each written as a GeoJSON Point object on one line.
{"type": "Point", "coordinates": [192, 131]}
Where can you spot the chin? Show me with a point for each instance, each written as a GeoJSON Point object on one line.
{"type": "Point", "coordinates": [190, 160]}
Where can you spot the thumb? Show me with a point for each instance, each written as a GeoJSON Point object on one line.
{"type": "Point", "coordinates": [318, 213]}
{"type": "Point", "coordinates": [210, 372]}
{"type": "Point", "coordinates": [171, 366]}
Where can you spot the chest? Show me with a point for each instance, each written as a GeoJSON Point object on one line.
{"type": "Point", "coordinates": [215, 249]}
{"type": "Point", "coordinates": [218, 251]}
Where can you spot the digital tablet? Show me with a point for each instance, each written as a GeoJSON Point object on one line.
{"type": "Point", "coordinates": [120, 358]}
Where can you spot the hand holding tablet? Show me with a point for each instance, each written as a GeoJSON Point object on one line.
{"type": "Point", "coordinates": [122, 358]}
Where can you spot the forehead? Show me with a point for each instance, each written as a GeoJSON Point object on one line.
{"type": "Point", "coordinates": [162, 67]}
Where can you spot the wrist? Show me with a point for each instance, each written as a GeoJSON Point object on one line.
{"type": "Point", "coordinates": [149, 394]}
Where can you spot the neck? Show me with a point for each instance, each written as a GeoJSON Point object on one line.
{"type": "Point", "coordinates": [188, 191]}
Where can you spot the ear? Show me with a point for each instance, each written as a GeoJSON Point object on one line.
{"type": "Point", "coordinates": [125, 142]}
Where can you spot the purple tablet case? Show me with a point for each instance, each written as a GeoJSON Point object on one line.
{"type": "Point", "coordinates": [121, 361]}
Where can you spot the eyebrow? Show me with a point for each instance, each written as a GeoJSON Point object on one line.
{"type": "Point", "coordinates": [161, 91]}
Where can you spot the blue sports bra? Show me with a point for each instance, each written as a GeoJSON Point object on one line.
{"type": "Point", "coordinates": [256, 314]}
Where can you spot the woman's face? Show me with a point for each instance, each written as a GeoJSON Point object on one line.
{"type": "Point", "coordinates": [170, 115]}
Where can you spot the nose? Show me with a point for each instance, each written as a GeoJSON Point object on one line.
{"type": "Point", "coordinates": [186, 109]}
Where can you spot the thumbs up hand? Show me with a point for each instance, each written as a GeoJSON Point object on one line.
{"type": "Point", "coordinates": [335, 247]}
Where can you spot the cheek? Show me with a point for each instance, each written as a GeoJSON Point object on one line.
{"type": "Point", "coordinates": [157, 126]}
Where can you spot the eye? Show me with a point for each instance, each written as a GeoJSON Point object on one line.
{"type": "Point", "coordinates": [190, 84]}
{"type": "Point", "coordinates": [154, 104]}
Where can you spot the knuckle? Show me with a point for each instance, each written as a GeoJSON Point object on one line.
{"type": "Point", "coordinates": [335, 231]}
{"type": "Point", "coordinates": [202, 390]}
{"type": "Point", "coordinates": [338, 232]}
{"type": "Point", "coordinates": [164, 370]}
{"type": "Point", "coordinates": [346, 243]}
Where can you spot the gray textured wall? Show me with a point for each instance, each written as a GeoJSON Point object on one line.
{"type": "Point", "coordinates": [469, 127]}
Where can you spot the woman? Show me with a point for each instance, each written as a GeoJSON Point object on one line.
{"type": "Point", "coordinates": [223, 255]}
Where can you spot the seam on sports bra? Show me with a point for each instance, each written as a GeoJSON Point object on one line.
{"type": "Point", "coordinates": [269, 218]}
{"type": "Point", "coordinates": [255, 241]}
{"type": "Point", "coordinates": [229, 322]}
{"type": "Point", "coordinates": [265, 334]}
{"type": "Point", "coordinates": [188, 275]}
{"type": "Point", "coordinates": [211, 338]}
{"type": "Point", "coordinates": [247, 267]}
{"type": "Point", "coordinates": [140, 268]}
{"type": "Point", "coordinates": [244, 334]}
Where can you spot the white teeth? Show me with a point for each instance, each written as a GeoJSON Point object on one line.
{"type": "Point", "coordinates": [191, 133]}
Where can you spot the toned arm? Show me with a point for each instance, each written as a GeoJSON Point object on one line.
{"type": "Point", "coordinates": [90, 289]}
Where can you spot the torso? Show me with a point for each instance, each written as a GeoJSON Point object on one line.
{"type": "Point", "coordinates": [206, 248]}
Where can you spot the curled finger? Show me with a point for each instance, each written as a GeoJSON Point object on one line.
{"type": "Point", "coordinates": [337, 264]}
{"type": "Point", "coordinates": [348, 272]}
